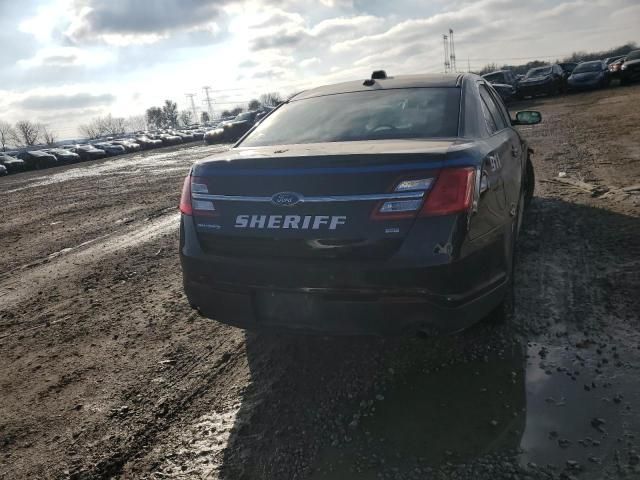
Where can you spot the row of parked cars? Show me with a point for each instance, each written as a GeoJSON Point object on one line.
{"type": "Point", "coordinates": [29, 159]}
{"type": "Point", "coordinates": [230, 130]}
{"type": "Point", "coordinates": [566, 77]}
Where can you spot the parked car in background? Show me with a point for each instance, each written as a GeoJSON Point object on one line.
{"type": "Point", "coordinates": [89, 152]}
{"type": "Point", "coordinates": [502, 77]}
{"type": "Point", "coordinates": [589, 75]}
{"type": "Point", "coordinates": [616, 67]}
{"type": "Point", "coordinates": [110, 149]}
{"type": "Point", "coordinates": [129, 145]}
{"type": "Point", "coordinates": [64, 157]}
{"type": "Point", "coordinates": [38, 159]}
{"type": "Point", "coordinates": [12, 164]}
{"type": "Point", "coordinates": [542, 81]}
{"type": "Point", "coordinates": [3, 170]}
{"type": "Point", "coordinates": [507, 92]}
{"type": "Point", "coordinates": [567, 69]}
{"type": "Point", "coordinates": [630, 70]}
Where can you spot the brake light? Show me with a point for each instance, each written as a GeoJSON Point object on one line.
{"type": "Point", "coordinates": [190, 204]}
{"type": "Point", "coordinates": [185, 198]}
{"type": "Point", "coordinates": [411, 193]}
{"type": "Point", "coordinates": [452, 193]}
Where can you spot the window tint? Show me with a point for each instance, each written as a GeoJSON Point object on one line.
{"type": "Point", "coordinates": [369, 115]}
{"type": "Point", "coordinates": [506, 118]}
{"type": "Point", "coordinates": [498, 120]}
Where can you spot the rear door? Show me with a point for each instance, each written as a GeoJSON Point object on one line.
{"type": "Point", "coordinates": [513, 159]}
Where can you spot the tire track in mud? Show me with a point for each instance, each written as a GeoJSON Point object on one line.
{"type": "Point", "coordinates": [22, 283]}
{"type": "Point", "coordinates": [187, 383]}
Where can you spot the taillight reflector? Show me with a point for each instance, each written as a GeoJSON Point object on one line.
{"type": "Point", "coordinates": [452, 193]}
{"type": "Point", "coordinates": [185, 198]}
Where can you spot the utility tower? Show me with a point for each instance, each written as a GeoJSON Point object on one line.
{"type": "Point", "coordinates": [190, 96]}
{"type": "Point", "coordinates": [207, 101]}
{"type": "Point", "coordinates": [452, 52]}
{"type": "Point", "coordinates": [445, 43]}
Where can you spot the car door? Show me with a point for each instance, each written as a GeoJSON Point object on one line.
{"type": "Point", "coordinates": [509, 150]}
{"type": "Point", "coordinates": [492, 205]}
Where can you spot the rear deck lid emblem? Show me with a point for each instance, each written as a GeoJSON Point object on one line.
{"type": "Point", "coordinates": [286, 199]}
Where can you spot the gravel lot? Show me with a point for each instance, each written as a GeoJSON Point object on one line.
{"type": "Point", "coordinates": [106, 372]}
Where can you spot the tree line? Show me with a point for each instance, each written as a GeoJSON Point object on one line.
{"type": "Point", "coordinates": [25, 133]}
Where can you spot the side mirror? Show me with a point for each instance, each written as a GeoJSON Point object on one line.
{"type": "Point", "coordinates": [527, 117]}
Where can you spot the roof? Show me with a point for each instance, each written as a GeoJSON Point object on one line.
{"type": "Point", "coordinates": [402, 81]}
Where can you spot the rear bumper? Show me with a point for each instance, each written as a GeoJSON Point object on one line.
{"type": "Point", "coordinates": [376, 298]}
{"type": "Point", "coordinates": [329, 312]}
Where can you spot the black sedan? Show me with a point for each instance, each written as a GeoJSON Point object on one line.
{"type": "Point", "coordinates": [542, 81]}
{"type": "Point", "coordinates": [630, 70]}
{"type": "Point", "coordinates": [12, 164]}
{"type": "Point", "coordinates": [63, 156]}
{"type": "Point", "coordinates": [589, 75]}
{"type": "Point", "coordinates": [380, 206]}
{"type": "Point", "coordinates": [38, 159]}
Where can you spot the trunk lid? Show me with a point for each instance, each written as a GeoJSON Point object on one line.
{"type": "Point", "coordinates": [312, 200]}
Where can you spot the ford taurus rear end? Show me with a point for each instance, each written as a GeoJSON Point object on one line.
{"type": "Point", "coordinates": [345, 212]}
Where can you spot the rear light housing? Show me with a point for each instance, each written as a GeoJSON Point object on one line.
{"type": "Point", "coordinates": [452, 192]}
{"type": "Point", "coordinates": [400, 208]}
{"type": "Point", "coordinates": [449, 192]}
{"type": "Point", "coordinates": [196, 206]}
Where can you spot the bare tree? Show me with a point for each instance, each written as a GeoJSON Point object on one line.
{"type": "Point", "coordinates": [103, 126]}
{"type": "Point", "coordinates": [204, 117]}
{"type": "Point", "coordinates": [27, 133]}
{"type": "Point", "coordinates": [271, 99]}
{"type": "Point", "coordinates": [7, 134]}
{"type": "Point", "coordinates": [254, 104]}
{"type": "Point", "coordinates": [136, 123]}
{"type": "Point", "coordinates": [48, 136]}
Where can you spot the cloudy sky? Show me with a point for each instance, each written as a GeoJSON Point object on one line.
{"type": "Point", "coordinates": [66, 61]}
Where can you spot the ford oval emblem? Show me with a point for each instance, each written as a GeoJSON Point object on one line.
{"type": "Point", "coordinates": [286, 199]}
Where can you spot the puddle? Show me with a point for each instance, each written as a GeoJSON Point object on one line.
{"type": "Point", "coordinates": [528, 403]}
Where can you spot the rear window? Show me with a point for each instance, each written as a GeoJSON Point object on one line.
{"type": "Point", "coordinates": [494, 78]}
{"type": "Point", "coordinates": [371, 115]}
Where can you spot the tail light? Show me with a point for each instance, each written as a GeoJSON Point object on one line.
{"type": "Point", "coordinates": [452, 192]}
{"type": "Point", "coordinates": [414, 189]}
{"type": "Point", "coordinates": [445, 194]}
{"type": "Point", "coordinates": [190, 204]}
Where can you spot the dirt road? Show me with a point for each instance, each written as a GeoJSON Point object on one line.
{"type": "Point", "coordinates": [106, 372]}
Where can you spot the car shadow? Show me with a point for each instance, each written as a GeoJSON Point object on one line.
{"type": "Point", "coordinates": [360, 407]}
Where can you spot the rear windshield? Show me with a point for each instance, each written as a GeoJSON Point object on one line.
{"type": "Point", "coordinates": [494, 78]}
{"type": "Point", "coordinates": [588, 67]}
{"type": "Point", "coordinates": [369, 115]}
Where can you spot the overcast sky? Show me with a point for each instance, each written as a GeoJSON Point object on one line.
{"type": "Point", "coordinates": [66, 61]}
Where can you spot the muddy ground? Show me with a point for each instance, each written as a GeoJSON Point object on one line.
{"type": "Point", "coordinates": [106, 372]}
